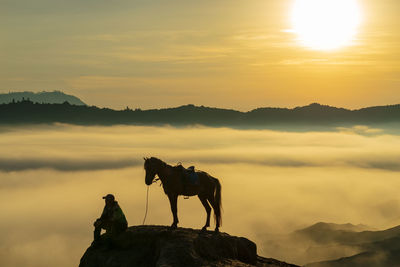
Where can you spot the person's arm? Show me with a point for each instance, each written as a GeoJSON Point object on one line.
{"type": "Point", "coordinates": [105, 215]}
{"type": "Point", "coordinates": [118, 215]}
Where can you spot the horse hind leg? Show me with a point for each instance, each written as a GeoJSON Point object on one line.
{"type": "Point", "coordinates": [207, 207]}
{"type": "Point", "coordinates": [217, 212]}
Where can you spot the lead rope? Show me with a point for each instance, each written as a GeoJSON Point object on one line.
{"type": "Point", "coordinates": [147, 199]}
{"type": "Point", "coordinates": [147, 205]}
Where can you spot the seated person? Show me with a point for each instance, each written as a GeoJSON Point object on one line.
{"type": "Point", "coordinates": [112, 219]}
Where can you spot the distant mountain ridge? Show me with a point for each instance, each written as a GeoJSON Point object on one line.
{"type": "Point", "coordinates": [330, 245]}
{"type": "Point", "coordinates": [346, 234]}
{"type": "Point", "coordinates": [313, 115]}
{"type": "Point", "coordinates": [55, 97]}
{"type": "Point", "coordinates": [371, 248]}
{"type": "Point", "coordinates": [376, 248]}
{"type": "Point", "coordinates": [331, 232]}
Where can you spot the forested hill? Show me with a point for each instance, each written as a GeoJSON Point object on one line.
{"type": "Point", "coordinates": [55, 97]}
{"type": "Point", "coordinates": [314, 114]}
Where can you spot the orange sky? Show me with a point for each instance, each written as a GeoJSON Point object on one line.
{"type": "Point", "coordinates": [235, 54]}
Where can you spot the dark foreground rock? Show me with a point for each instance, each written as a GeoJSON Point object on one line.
{"type": "Point", "coordinates": [159, 246]}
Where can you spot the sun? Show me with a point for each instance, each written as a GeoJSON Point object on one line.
{"type": "Point", "coordinates": [326, 24]}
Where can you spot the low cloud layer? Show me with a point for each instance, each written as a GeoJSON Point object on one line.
{"type": "Point", "coordinates": [52, 179]}
{"type": "Point", "coordinates": [383, 162]}
{"type": "Point", "coordinates": [65, 164]}
{"type": "Point", "coordinates": [74, 148]}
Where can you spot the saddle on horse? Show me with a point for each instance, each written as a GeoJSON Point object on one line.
{"type": "Point", "coordinates": [189, 176]}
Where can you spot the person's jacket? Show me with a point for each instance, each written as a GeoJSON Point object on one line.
{"type": "Point", "coordinates": [113, 214]}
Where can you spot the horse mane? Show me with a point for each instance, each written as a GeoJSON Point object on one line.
{"type": "Point", "coordinates": [178, 166]}
{"type": "Point", "coordinates": [159, 161]}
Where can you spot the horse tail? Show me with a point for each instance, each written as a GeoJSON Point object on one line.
{"type": "Point", "coordinates": [218, 202]}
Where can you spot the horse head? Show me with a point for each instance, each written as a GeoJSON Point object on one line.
{"type": "Point", "coordinates": [151, 167]}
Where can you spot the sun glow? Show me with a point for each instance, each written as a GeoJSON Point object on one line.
{"type": "Point", "coordinates": [326, 24]}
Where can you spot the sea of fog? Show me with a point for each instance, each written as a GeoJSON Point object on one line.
{"type": "Point", "coordinates": [52, 179]}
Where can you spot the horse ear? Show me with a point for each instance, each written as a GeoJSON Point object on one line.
{"type": "Point", "coordinates": [144, 158]}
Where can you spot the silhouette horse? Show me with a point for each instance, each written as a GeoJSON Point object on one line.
{"type": "Point", "coordinates": [208, 188]}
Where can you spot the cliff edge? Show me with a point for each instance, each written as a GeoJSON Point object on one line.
{"type": "Point", "coordinates": [160, 246]}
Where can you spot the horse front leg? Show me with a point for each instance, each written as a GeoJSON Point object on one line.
{"type": "Point", "coordinates": [173, 201]}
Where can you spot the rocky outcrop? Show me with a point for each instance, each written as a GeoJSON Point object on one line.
{"type": "Point", "coordinates": [160, 246]}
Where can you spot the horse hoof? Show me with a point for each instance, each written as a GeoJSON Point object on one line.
{"type": "Point", "coordinates": [173, 227]}
{"type": "Point", "coordinates": [216, 230]}
{"type": "Point", "coordinates": [204, 229]}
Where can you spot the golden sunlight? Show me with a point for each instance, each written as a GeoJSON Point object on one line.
{"type": "Point", "coordinates": [326, 24]}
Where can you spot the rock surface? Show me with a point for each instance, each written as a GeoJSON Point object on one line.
{"type": "Point", "coordinates": [160, 246]}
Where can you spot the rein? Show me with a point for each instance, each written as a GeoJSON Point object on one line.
{"type": "Point", "coordinates": [147, 200]}
{"type": "Point", "coordinates": [147, 204]}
